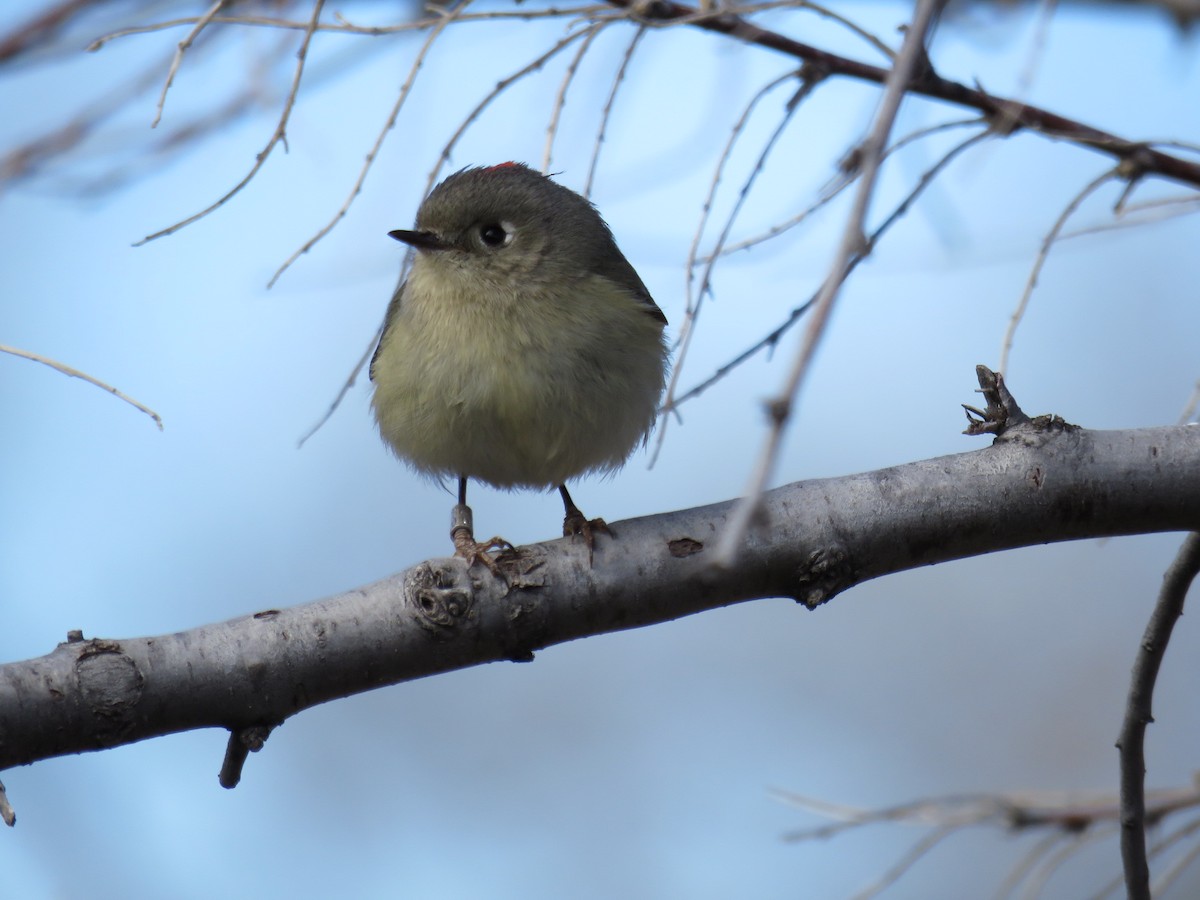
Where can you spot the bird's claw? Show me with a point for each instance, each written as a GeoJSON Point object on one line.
{"type": "Point", "coordinates": [473, 551]}
{"type": "Point", "coordinates": [462, 533]}
{"type": "Point", "coordinates": [576, 523]}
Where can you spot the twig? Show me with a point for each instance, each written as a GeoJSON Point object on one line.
{"type": "Point", "coordinates": [1164, 881]}
{"type": "Point", "coordinates": [1052, 862]}
{"type": "Point", "coordinates": [560, 98]}
{"type": "Point", "coordinates": [772, 338]}
{"type": "Point", "coordinates": [1027, 864]}
{"type": "Point", "coordinates": [618, 79]}
{"type": "Point", "coordinates": [694, 297]}
{"type": "Point", "coordinates": [345, 388]}
{"type": "Point", "coordinates": [1139, 713]}
{"type": "Point", "coordinates": [589, 11]}
{"type": "Point", "coordinates": [906, 862]}
{"type": "Point", "coordinates": [177, 60]}
{"type": "Point", "coordinates": [1159, 847]}
{"type": "Point", "coordinates": [835, 188]}
{"type": "Point", "coordinates": [75, 373]}
{"type": "Point", "coordinates": [501, 86]}
{"type": "Point", "coordinates": [912, 52]}
{"type": "Point", "coordinates": [1156, 211]}
{"type": "Point", "coordinates": [1043, 253]}
{"type": "Point", "coordinates": [242, 742]}
{"type": "Point", "coordinates": [1019, 115]}
{"type": "Point", "coordinates": [405, 89]}
{"type": "Point", "coordinates": [279, 136]}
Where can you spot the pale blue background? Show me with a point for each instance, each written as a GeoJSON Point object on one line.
{"type": "Point", "coordinates": [633, 765]}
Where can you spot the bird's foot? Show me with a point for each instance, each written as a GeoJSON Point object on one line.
{"type": "Point", "coordinates": [576, 523]}
{"type": "Point", "coordinates": [462, 533]}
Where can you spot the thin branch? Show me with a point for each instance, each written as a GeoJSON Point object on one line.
{"type": "Point", "coordinates": [911, 55]}
{"type": "Point", "coordinates": [405, 89]}
{"type": "Point", "coordinates": [560, 98]}
{"type": "Point", "coordinates": [772, 338]}
{"type": "Point", "coordinates": [1139, 713]}
{"type": "Point", "coordinates": [75, 373]}
{"type": "Point", "coordinates": [1143, 157]}
{"type": "Point", "coordinates": [835, 188]}
{"type": "Point", "coordinates": [589, 11]}
{"type": "Point", "coordinates": [1155, 211]}
{"type": "Point", "coordinates": [1075, 841]}
{"type": "Point", "coordinates": [345, 388]}
{"type": "Point", "coordinates": [279, 136]}
{"type": "Point", "coordinates": [606, 113]}
{"type": "Point", "coordinates": [1167, 878]}
{"type": "Point", "coordinates": [501, 86]}
{"type": "Point", "coordinates": [1027, 864]}
{"type": "Point", "coordinates": [906, 862]}
{"type": "Point", "coordinates": [1043, 253]}
{"type": "Point", "coordinates": [694, 297]}
{"type": "Point", "coordinates": [177, 60]}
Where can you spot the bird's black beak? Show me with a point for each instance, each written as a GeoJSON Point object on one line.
{"type": "Point", "coordinates": [421, 240]}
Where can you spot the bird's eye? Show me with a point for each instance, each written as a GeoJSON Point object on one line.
{"type": "Point", "coordinates": [494, 234]}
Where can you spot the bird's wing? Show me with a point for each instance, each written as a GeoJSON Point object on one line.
{"type": "Point", "coordinates": [389, 319]}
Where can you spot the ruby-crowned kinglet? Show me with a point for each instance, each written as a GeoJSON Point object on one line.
{"type": "Point", "coordinates": [523, 350]}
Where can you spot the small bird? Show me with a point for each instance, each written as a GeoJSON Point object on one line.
{"type": "Point", "coordinates": [522, 351]}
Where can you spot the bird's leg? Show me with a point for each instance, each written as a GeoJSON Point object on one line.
{"type": "Point", "coordinates": [462, 533]}
{"type": "Point", "coordinates": [576, 522]}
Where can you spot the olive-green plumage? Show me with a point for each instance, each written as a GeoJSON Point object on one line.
{"type": "Point", "coordinates": [523, 350]}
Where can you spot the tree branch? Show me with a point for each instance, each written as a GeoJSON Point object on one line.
{"type": "Point", "coordinates": [1137, 158]}
{"type": "Point", "coordinates": [1041, 481]}
{"type": "Point", "coordinates": [1139, 714]}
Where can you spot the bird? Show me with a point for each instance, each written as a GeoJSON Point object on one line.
{"type": "Point", "coordinates": [522, 351]}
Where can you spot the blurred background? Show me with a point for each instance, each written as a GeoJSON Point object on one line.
{"type": "Point", "coordinates": [643, 764]}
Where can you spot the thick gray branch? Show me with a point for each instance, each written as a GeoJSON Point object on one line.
{"type": "Point", "coordinates": [1041, 481]}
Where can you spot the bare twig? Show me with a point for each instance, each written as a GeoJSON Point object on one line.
{"type": "Point", "coordinates": [1018, 115]}
{"type": "Point", "coordinates": [501, 86]}
{"type": "Point", "coordinates": [75, 373]}
{"type": "Point", "coordinates": [560, 98]}
{"type": "Point", "coordinates": [1166, 879]}
{"type": "Point", "coordinates": [1044, 252]}
{"type": "Point", "coordinates": [1070, 843]}
{"type": "Point", "coordinates": [177, 60]}
{"type": "Point", "coordinates": [906, 862]}
{"type": "Point", "coordinates": [1028, 863]}
{"type": "Point", "coordinates": [1070, 820]}
{"type": "Point", "coordinates": [772, 338]}
{"type": "Point", "coordinates": [1129, 215]}
{"type": "Point", "coordinates": [694, 298]}
{"type": "Point", "coordinates": [587, 11]}
{"type": "Point", "coordinates": [279, 135]}
{"type": "Point", "coordinates": [606, 113]}
{"type": "Point", "coordinates": [405, 89]}
{"type": "Point", "coordinates": [1139, 713]}
{"type": "Point", "coordinates": [345, 388]}
{"type": "Point", "coordinates": [912, 53]}
{"type": "Point", "coordinates": [835, 188]}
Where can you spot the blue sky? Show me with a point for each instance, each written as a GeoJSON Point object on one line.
{"type": "Point", "coordinates": [638, 764]}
